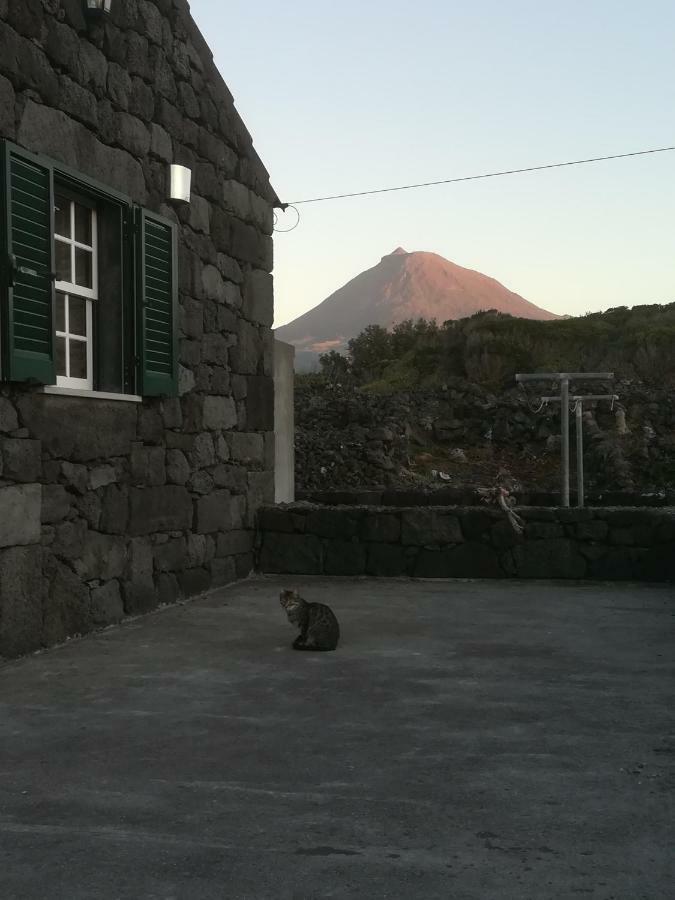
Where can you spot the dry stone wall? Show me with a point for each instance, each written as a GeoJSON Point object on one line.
{"type": "Point", "coordinates": [467, 542]}
{"type": "Point", "coordinates": [109, 508]}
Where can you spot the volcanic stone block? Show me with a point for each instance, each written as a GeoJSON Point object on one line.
{"type": "Point", "coordinates": [246, 447]}
{"type": "Point", "coordinates": [138, 587]}
{"type": "Point", "coordinates": [171, 412]}
{"type": "Point", "coordinates": [167, 589]}
{"type": "Point", "coordinates": [195, 551]}
{"type": "Point", "coordinates": [234, 542]}
{"type": "Point", "coordinates": [214, 349]}
{"type": "Point", "coordinates": [244, 564]}
{"type": "Point", "coordinates": [161, 144]}
{"type": "Point", "coordinates": [470, 560]}
{"type": "Point", "coordinates": [344, 558]}
{"type": "Point", "coordinates": [166, 508]}
{"type": "Point", "coordinates": [114, 509]}
{"type": "Point", "coordinates": [625, 537]}
{"type": "Point", "coordinates": [170, 557]}
{"type": "Point", "coordinates": [67, 609]}
{"type": "Point", "coordinates": [106, 604]}
{"type": "Point", "coordinates": [248, 352]}
{"type": "Point", "coordinates": [141, 100]}
{"type": "Point", "coordinates": [574, 514]}
{"type": "Point", "coordinates": [86, 438]}
{"type": "Point", "coordinates": [150, 425]}
{"type": "Point", "coordinates": [219, 413]}
{"type": "Point", "coordinates": [258, 296]}
{"type": "Point", "coordinates": [56, 503]}
{"type": "Point", "coordinates": [8, 417]}
{"type": "Point", "coordinates": [223, 571]}
{"type": "Point", "coordinates": [101, 557]}
{"type": "Point", "coordinates": [133, 134]}
{"type": "Point", "coordinates": [272, 518]}
{"type": "Point", "coordinates": [594, 530]}
{"type": "Point", "coordinates": [543, 530]}
{"type": "Point", "coordinates": [232, 477]}
{"type": "Point", "coordinates": [386, 560]}
{"type": "Point", "coordinates": [20, 521]}
{"type": "Point", "coordinates": [476, 523]}
{"type": "Point", "coordinates": [260, 405]}
{"type": "Point", "coordinates": [503, 536]}
{"type": "Point", "coordinates": [382, 527]}
{"type": "Point", "coordinates": [69, 539]}
{"type": "Point", "coordinates": [76, 476]}
{"type": "Point", "coordinates": [424, 527]}
{"type": "Point", "coordinates": [617, 563]}
{"type": "Point", "coordinates": [53, 133]}
{"type": "Point", "coordinates": [89, 507]}
{"type": "Point", "coordinates": [77, 102]}
{"type": "Point", "coordinates": [658, 564]}
{"type": "Point", "coordinates": [102, 476]}
{"type": "Point", "coordinates": [333, 523]}
{"type": "Point", "coordinates": [665, 529]}
{"type": "Point", "coordinates": [214, 513]}
{"type": "Point", "coordinates": [297, 554]}
{"type": "Point", "coordinates": [21, 588]}
{"type": "Point", "coordinates": [148, 465]}
{"type": "Point", "coordinates": [7, 100]}
{"type": "Point", "coordinates": [538, 514]}
{"type": "Point", "coordinates": [556, 558]}
{"type": "Point", "coordinates": [260, 493]}
{"type": "Point", "coordinates": [194, 581]}
{"type": "Point", "coordinates": [22, 459]}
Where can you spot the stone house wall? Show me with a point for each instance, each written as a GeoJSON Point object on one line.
{"type": "Point", "coordinates": [110, 508]}
{"type": "Point", "coordinates": [467, 542]}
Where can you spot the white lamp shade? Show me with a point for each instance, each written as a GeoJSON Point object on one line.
{"type": "Point", "coordinates": [99, 5]}
{"type": "Point", "coordinates": [179, 183]}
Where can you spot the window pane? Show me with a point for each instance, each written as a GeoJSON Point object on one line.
{"type": "Point", "coordinates": [83, 269]}
{"type": "Point", "coordinates": [60, 312]}
{"type": "Point", "coordinates": [63, 264]}
{"type": "Point", "coordinates": [83, 219]}
{"type": "Point", "coordinates": [77, 316]}
{"type": "Point", "coordinates": [62, 216]}
{"type": "Point", "coordinates": [78, 359]}
{"type": "Point", "coordinates": [61, 356]}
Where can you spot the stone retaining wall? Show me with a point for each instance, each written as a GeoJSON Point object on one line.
{"type": "Point", "coordinates": [467, 542]}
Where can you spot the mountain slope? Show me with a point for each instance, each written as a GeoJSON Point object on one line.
{"type": "Point", "coordinates": [403, 286]}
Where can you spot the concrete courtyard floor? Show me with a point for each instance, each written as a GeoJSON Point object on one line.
{"type": "Point", "coordinates": [467, 740]}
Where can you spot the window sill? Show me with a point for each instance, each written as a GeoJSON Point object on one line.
{"type": "Point", "coordinates": [92, 395]}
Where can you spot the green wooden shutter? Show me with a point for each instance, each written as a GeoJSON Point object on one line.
{"type": "Point", "coordinates": [157, 304]}
{"type": "Point", "coordinates": [27, 289]}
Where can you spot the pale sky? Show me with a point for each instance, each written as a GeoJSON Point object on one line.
{"type": "Point", "coordinates": [354, 95]}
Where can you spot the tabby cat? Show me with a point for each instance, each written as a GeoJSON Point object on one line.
{"type": "Point", "coordinates": [319, 629]}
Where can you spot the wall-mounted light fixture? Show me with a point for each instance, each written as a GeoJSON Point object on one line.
{"type": "Point", "coordinates": [179, 184]}
{"type": "Point", "coordinates": [96, 9]}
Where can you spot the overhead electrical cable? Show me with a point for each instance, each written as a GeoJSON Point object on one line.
{"type": "Point", "coordinates": [409, 187]}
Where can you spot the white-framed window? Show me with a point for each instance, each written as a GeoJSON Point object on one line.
{"type": "Point", "coordinates": [88, 284]}
{"type": "Point", "coordinates": [76, 259]}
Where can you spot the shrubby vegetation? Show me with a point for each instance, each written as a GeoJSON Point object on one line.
{"type": "Point", "coordinates": [489, 347]}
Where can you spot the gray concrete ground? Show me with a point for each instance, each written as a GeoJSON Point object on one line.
{"type": "Point", "coordinates": [467, 740]}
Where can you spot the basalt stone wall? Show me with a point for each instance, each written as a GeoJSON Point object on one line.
{"type": "Point", "coordinates": [467, 542]}
{"type": "Point", "coordinates": [110, 508]}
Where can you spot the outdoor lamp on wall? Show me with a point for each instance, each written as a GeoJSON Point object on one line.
{"type": "Point", "coordinates": [96, 9]}
{"type": "Point", "coordinates": [179, 184]}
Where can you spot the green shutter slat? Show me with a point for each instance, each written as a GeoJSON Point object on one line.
{"type": "Point", "coordinates": [157, 305]}
{"type": "Point", "coordinates": [27, 290]}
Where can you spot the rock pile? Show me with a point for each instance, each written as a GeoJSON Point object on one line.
{"type": "Point", "coordinates": [464, 433]}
